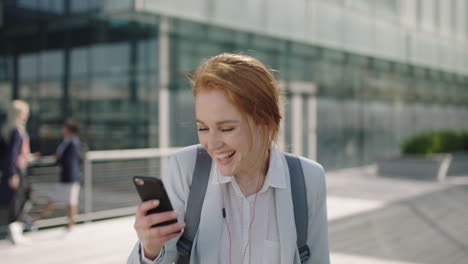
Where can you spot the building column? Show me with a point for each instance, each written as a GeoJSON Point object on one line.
{"type": "Point", "coordinates": [133, 92]}
{"type": "Point", "coordinates": [15, 76]}
{"type": "Point", "coordinates": [312, 126]}
{"type": "Point", "coordinates": [164, 96]}
{"type": "Point", "coordinates": [297, 118]}
{"type": "Point", "coordinates": [304, 142]}
{"type": "Point", "coordinates": [66, 107]}
{"type": "Point", "coordinates": [282, 128]}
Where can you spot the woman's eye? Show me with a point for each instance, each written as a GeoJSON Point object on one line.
{"type": "Point", "coordinates": [202, 129]}
{"type": "Point", "coordinates": [227, 129]}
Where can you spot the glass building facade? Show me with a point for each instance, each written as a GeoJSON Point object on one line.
{"type": "Point", "coordinates": [355, 84]}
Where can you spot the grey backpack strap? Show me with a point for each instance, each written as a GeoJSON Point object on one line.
{"type": "Point", "coordinates": [201, 174]}
{"type": "Point", "coordinates": [299, 197]}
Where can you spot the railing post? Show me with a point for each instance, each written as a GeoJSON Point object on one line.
{"type": "Point", "coordinates": [88, 189]}
{"type": "Point", "coordinates": [444, 166]}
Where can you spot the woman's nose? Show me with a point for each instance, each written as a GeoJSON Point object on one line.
{"type": "Point", "coordinates": [214, 141]}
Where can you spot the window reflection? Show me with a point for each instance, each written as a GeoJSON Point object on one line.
{"type": "Point", "coordinates": [366, 105]}
{"type": "Point", "coordinates": [110, 57]}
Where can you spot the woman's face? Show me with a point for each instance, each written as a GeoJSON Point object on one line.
{"type": "Point", "coordinates": [24, 115]}
{"type": "Point", "coordinates": [224, 133]}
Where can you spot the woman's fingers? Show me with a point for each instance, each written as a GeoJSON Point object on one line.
{"type": "Point", "coordinates": [170, 236]}
{"type": "Point", "coordinates": [144, 207]}
{"type": "Point", "coordinates": [153, 238]}
{"type": "Point", "coordinates": [167, 230]}
{"type": "Point", "coordinates": [158, 218]}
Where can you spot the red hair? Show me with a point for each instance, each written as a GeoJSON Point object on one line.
{"type": "Point", "coordinates": [249, 86]}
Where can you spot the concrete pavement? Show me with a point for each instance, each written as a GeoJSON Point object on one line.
{"type": "Point", "coordinates": [372, 219]}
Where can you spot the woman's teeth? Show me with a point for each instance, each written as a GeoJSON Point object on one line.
{"type": "Point", "coordinates": [224, 155]}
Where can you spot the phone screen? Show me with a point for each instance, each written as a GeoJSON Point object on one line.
{"type": "Point", "coordinates": [150, 188]}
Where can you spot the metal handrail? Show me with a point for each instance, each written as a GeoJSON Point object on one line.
{"type": "Point", "coordinates": [113, 155]}
{"type": "Point", "coordinates": [91, 159]}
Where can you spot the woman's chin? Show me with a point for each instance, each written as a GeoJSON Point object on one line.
{"type": "Point", "coordinates": [226, 170]}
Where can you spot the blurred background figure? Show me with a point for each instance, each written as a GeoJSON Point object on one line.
{"type": "Point", "coordinates": [14, 187]}
{"type": "Point", "coordinates": [68, 157]}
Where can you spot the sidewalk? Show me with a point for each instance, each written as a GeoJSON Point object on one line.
{"type": "Point", "coordinates": [396, 221]}
{"type": "Point", "coordinates": [372, 220]}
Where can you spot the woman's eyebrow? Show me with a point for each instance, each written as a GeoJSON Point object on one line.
{"type": "Point", "coordinates": [221, 122]}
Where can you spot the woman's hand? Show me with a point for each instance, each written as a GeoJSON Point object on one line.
{"type": "Point", "coordinates": [14, 182]}
{"type": "Point", "coordinates": [36, 155]}
{"type": "Point", "coordinates": [153, 238]}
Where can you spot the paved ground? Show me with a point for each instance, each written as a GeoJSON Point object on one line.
{"type": "Point", "coordinates": [372, 220]}
{"type": "Point", "coordinates": [387, 220]}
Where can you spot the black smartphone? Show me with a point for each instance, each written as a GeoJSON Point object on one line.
{"type": "Point", "coordinates": [150, 188]}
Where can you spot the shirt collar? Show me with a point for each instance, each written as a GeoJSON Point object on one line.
{"type": "Point", "coordinates": [275, 177]}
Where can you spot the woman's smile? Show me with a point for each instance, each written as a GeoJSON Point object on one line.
{"type": "Point", "coordinates": [225, 157]}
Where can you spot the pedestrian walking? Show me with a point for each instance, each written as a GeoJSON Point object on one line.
{"type": "Point", "coordinates": [66, 190]}
{"type": "Point", "coordinates": [15, 155]}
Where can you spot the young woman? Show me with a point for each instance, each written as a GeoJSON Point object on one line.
{"type": "Point", "coordinates": [238, 116]}
{"type": "Point", "coordinates": [14, 161]}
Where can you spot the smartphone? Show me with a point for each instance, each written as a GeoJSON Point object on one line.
{"type": "Point", "coordinates": [150, 188]}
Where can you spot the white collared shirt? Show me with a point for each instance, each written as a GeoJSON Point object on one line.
{"type": "Point", "coordinates": [264, 245]}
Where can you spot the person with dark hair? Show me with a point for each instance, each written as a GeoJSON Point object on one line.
{"type": "Point", "coordinates": [68, 157]}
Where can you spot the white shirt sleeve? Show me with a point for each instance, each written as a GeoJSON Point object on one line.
{"type": "Point", "coordinates": [157, 260]}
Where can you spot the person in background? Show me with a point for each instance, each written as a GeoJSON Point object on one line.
{"type": "Point", "coordinates": [14, 160]}
{"type": "Point", "coordinates": [66, 191]}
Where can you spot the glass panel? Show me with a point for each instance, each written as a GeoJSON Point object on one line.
{"type": "Point", "coordinates": [182, 116]}
{"type": "Point", "coordinates": [79, 99]}
{"type": "Point", "coordinates": [28, 4]}
{"type": "Point", "coordinates": [56, 6]}
{"type": "Point", "coordinates": [363, 5]}
{"type": "Point", "coordinates": [386, 8]}
{"type": "Point", "coordinates": [300, 68]}
{"type": "Point", "coordinates": [330, 73]}
{"type": "Point", "coordinates": [110, 108]}
{"type": "Point", "coordinates": [28, 66]}
{"type": "Point", "coordinates": [77, 6]}
{"type": "Point", "coordinates": [45, 98]}
{"type": "Point", "coordinates": [110, 57]}
{"type": "Point", "coordinates": [147, 55]}
{"type": "Point", "coordinates": [48, 6]}
{"type": "Point", "coordinates": [6, 65]}
{"type": "Point", "coordinates": [51, 64]}
{"type": "Point", "coordinates": [5, 96]}
{"type": "Point", "coordinates": [353, 73]}
{"type": "Point", "coordinates": [79, 61]}
{"type": "Point", "coordinates": [148, 98]}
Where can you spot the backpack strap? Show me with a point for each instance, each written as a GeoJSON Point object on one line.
{"type": "Point", "coordinates": [194, 204]}
{"type": "Point", "coordinates": [299, 197]}
{"type": "Point", "coordinates": [197, 196]}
